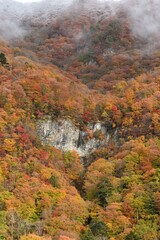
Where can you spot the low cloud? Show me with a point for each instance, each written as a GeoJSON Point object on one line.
{"type": "Point", "coordinates": [11, 30]}
{"type": "Point", "coordinates": [144, 19]}
{"type": "Point", "coordinates": [143, 15]}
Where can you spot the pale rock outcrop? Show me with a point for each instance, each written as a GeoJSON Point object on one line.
{"type": "Point", "coordinates": [64, 135]}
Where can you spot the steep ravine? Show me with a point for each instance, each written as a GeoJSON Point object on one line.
{"type": "Point", "coordinates": [64, 135]}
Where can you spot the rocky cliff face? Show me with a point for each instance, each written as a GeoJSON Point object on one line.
{"type": "Point", "coordinates": [64, 135]}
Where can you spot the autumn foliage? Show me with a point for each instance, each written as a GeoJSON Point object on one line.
{"type": "Point", "coordinates": [47, 194]}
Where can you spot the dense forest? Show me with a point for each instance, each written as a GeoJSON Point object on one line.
{"type": "Point", "coordinates": [86, 67]}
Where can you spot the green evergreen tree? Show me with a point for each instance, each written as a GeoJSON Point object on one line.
{"type": "Point", "coordinates": [98, 228]}
{"type": "Point", "coordinates": [132, 236]}
{"type": "Point", "coordinates": [87, 235]}
{"type": "Point", "coordinates": [3, 59]}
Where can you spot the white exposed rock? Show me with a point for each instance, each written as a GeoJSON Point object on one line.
{"type": "Point", "coordinates": [64, 135]}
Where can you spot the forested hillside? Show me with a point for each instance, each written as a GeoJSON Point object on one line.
{"type": "Point", "coordinates": [87, 66]}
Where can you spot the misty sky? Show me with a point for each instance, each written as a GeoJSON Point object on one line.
{"type": "Point", "coordinates": [27, 1]}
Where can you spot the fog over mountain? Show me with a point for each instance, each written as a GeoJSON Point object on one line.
{"type": "Point", "coordinates": [144, 19]}
{"type": "Point", "coordinates": [143, 15]}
